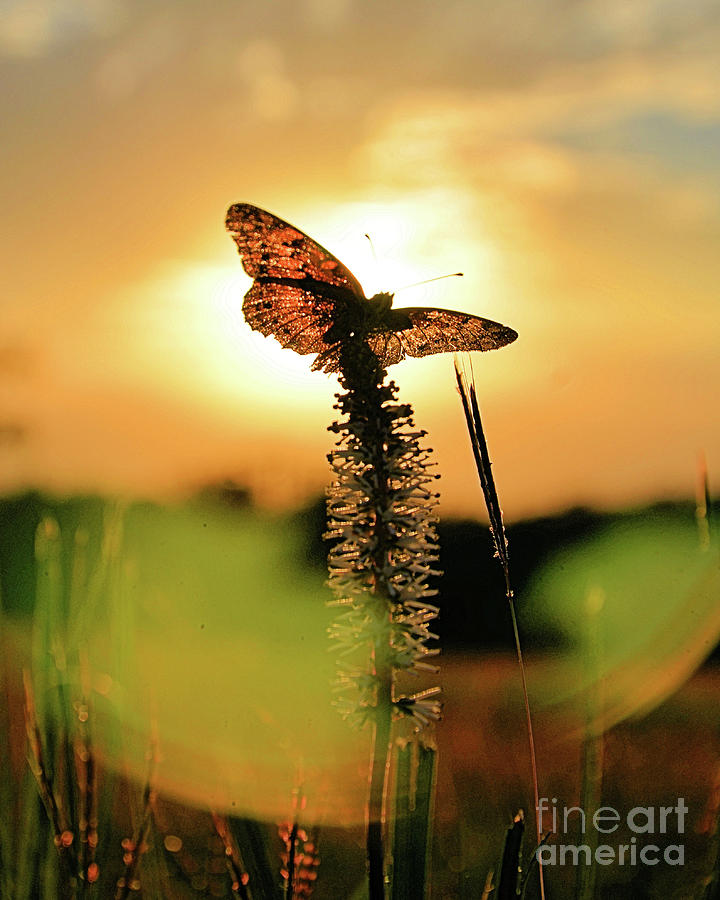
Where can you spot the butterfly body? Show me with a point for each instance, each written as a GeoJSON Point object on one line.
{"type": "Point", "coordinates": [375, 316]}
{"type": "Point", "coordinates": [310, 302]}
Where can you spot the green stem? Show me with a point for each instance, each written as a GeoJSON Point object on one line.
{"type": "Point", "coordinates": [378, 789]}
{"type": "Point", "coordinates": [364, 377]}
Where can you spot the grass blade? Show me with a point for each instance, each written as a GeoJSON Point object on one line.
{"type": "Point", "coordinates": [476, 432]}
{"type": "Point", "coordinates": [416, 763]}
{"type": "Point", "coordinates": [510, 867]}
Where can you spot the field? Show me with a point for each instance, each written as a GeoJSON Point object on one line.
{"type": "Point", "coordinates": [194, 638]}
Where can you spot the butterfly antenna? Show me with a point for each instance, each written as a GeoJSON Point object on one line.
{"type": "Point", "coordinates": [372, 247]}
{"type": "Point", "coordinates": [428, 280]}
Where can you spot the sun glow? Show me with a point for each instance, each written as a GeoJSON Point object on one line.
{"type": "Point", "coordinates": [195, 340]}
{"type": "Point", "coordinates": [414, 237]}
{"type": "Point", "coordinates": [182, 332]}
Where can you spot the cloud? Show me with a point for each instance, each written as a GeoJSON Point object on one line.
{"type": "Point", "coordinates": [648, 115]}
{"type": "Point", "coordinates": [653, 23]}
{"type": "Point", "coordinates": [33, 27]}
{"type": "Point", "coordinates": [144, 52]}
{"type": "Point", "coordinates": [272, 94]}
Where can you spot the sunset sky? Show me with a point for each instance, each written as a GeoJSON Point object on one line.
{"type": "Point", "coordinates": [564, 156]}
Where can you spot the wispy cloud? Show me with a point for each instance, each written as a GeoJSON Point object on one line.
{"type": "Point", "coordinates": [31, 28]}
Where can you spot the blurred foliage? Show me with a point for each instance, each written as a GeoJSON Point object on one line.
{"type": "Point", "coordinates": [637, 605]}
{"type": "Point", "coordinates": [643, 564]}
{"type": "Point", "coordinates": [254, 548]}
{"type": "Point", "coordinates": [202, 626]}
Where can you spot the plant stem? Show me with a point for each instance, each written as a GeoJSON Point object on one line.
{"type": "Point", "coordinates": [377, 792]}
{"type": "Point", "coordinates": [363, 379]}
{"type": "Point", "coordinates": [372, 398]}
{"type": "Point", "coordinates": [380, 512]}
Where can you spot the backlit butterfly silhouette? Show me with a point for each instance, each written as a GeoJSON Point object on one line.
{"type": "Point", "coordinates": [310, 302]}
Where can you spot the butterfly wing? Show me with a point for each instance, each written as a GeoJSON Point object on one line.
{"type": "Point", "coordinates": [300, 288]}
{"type": "Point", "coordinates": [298, 318]}
{"type": "Point", "coordinates": [420, 331]}
{"type": "Point", "coordinates": [387, 347]}
{"type": "Point", "coordinates": [309, 300]}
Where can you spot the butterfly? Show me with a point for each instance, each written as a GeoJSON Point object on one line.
{"type": "Point", "coordinates": [307, 299]}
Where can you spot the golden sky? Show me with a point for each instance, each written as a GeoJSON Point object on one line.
{"type": "Point", "coordinates": [565, 156]}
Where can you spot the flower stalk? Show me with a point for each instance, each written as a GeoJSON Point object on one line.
{"type": "Point", "coordinates": [381, 519]}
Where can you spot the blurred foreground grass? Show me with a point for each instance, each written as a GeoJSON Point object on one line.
{"type": "Point", "coordinates": [197, 635]}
